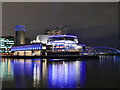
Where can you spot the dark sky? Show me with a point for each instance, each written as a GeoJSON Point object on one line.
{"type": "Point", "coordinates": [95, 24]}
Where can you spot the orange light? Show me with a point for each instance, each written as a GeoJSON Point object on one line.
{"type": "Point", "coordinates": [8, 66]}
{"type": "Point", "coordinates": [59, 50]}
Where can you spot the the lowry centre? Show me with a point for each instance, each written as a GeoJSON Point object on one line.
{"type": "Point", "coordinates": [45, 44]}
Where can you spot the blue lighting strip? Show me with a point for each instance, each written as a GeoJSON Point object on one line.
{"type": "Point", "coordinates": [27, 47]}
{"type": "Point", "coordinates": [107, 48]}
{"type": "Point", "coordinates": [19, 28]}
{"type": "Point", "coordinates": [82, 45]}
{"type": "Point", "coordinates": [62, 42]}
{"type": "Point", "coordinates": [63, 36]}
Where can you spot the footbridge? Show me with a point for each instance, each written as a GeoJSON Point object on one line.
{"type": "Point", "coordinates": [105, 50]}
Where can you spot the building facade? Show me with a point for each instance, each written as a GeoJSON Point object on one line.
{"type": "Point", "coordinates": [64, 43]}
{"type": "Point", "coordinates": [35, 49]}
{"type": "Point", "coordinates": [20, 34]}
{"type": "Point", "coordinates": [5, 44]}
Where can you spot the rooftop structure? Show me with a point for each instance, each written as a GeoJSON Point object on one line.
{"type": "Point", "coordinates": [19, 28]}
{"type": "Point", "coordinates": [60, 30]}
{"type": "Point", "coordinates": [41, 39]}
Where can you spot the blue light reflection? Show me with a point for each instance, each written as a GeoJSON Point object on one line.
{"type": "Point", "coordinates": [63, 74]}
{"type": "Point", "coordinates": [34, 73]}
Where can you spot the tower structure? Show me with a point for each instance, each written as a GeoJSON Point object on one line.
{"type": "Point", "coordinates": [20, 34]}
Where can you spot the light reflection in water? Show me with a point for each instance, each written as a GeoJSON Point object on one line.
{"type": "Point", "coordinates": [58, 74]}
{"type": "Point", "coordinates": [10, 70]}
{"type": "Point", "coordinates": [28, 73]}
{"type": "Point", "coordinates": [6, 70]}
{"type": "Point", "coordinates": [66, 74]}
{"type": "Point", "coordinates": [36, 75]}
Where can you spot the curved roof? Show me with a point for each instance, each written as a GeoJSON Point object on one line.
{"type": "Point", "coordinates": [63, 36]}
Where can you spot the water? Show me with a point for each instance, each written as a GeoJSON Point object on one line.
{"type": "Point", "coordinates": [33, 73]}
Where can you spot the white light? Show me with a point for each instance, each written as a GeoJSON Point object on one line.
{"type": "Point", "coordinates": [101, 53]}
{"type": "Point", "coordinates": [79, 47]}
{"type": "Point", "coordinates": [43, 47]}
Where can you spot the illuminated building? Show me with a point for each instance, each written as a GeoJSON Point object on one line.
{"type": "Point", "coordinates": [54, 41]}
{"type": "Point", "coordinates": [59, 43]}
{"type": "Point", "coordinates": [27, 50]}
{"type": "Point", "coordinates": [6, 43]}
{"type": "Point", "coordinates": [41, 39]}
{"type": "Point", "coordinates": [20, 34]}
{"type": "Point", "coordinates": [64, 43]}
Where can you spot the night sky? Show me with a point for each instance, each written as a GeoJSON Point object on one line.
{"type": "Point", "coordinates": [95, 24]}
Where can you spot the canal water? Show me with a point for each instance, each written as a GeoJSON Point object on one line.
{"type": "Point", "coordinates": [74, 73]}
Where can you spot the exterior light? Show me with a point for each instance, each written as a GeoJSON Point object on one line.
{"type": "Point", "coordinates": [43, 47]}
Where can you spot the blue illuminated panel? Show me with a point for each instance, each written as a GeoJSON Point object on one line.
{"type": "Point", "coordinates": [82, 45]}
{"type": "Point", "coordinates": [19, 28]}
{"type": "Point", "coordinates": [27, 47]}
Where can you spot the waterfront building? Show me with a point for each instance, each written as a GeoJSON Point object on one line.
{"type": "Point", "coordinates": [62, 43]}
{"type": "Point", "coordinates": [35, 49]}
{"type": "Point", "coordinates": [41, 39]}
{"type": "Point", "coordinates": [5, 44]}
{"type": "Point", "coordinates": [45, 44]}
{"type": "Point", "coordinates": [20, 34]}
{"type": "Point", "coordinates": [54, 41]}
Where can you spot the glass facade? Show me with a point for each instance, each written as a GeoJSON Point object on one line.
{"type": "Point", "coordinates": [6, 43]}
{"type": "Point", "coordinates": [64, 43]}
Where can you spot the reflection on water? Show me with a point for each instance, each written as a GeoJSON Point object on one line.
{"type": "Point", "coordinates": [6, 69]}
{"type": "Point", "coordinates": [66, 74]}
{"type": "Point", "coordinates": [34, 73]}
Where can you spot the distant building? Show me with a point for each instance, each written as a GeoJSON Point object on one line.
{"type": "Point", "coordinates": [20, 34]}
{"type": "Point", "coordinates": [6, 43]}
{"type": "Point", "coordinates": [27, 40]}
